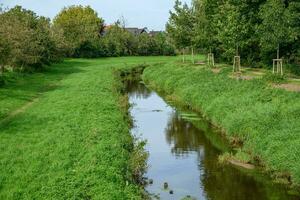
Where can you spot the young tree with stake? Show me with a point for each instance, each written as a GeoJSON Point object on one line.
{"type": "Point", "coordinates": [274, 29]}
{"type": "Point", "coordinates": [180, 26]}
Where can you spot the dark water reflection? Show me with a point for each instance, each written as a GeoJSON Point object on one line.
{"type": "Point", "coordinates": [185, 154]}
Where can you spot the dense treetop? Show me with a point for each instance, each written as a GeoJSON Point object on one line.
{"type": "Point", "coordinates": [81, 25]}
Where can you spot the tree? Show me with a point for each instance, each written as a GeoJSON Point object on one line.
{"type": "Point", "coordinates": [147, 45]}
{"type": "Point", "coordinates": [163, 46]}
{"type": "Point", "coordinates": [28, 38]}
{"type": "Point", "coordinates": [4, 49]}
{"type": "Point", "coordinates": [205, 27]}
{"type": "Point", "coordinates": [230, 30]}
{"type": "Point", "coordinates": [180, 25]}
{"type": "Point", "coordinates": [294, 16]}
{"type": "Point", "coordinates": [119, 42]}
{"type": "Point", "coordinates": [81, 27]}
{"type": "Point", "coordinates": [275, 27]}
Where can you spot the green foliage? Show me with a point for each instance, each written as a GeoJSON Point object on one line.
{"type": "Point", "coordinates": [266, 119]}
{"type": "Point", "coordinates": [229, 29]}
{"type": "Point", "coordinates": [5, 50]}
{"type": "Point", "coordinates": [255, 27]}
{"type": "Point", "coordinates": [294, 45]}
{"type": "Point", "coordinates": [26, 40]}
{"type": "Point", "coordinates": [119, 42]}
{"type": "Point", "coordinates": [85, 36]}
{"type": "Point", "coordinates": [81, 28]}
{"type": "Point", "coordinates": [2, 81]}
{"type": "Point", "coordinates": [275, 27]}
{"type": "Point", "coordinates": [180, 25]}
{"type": "Point", "coordinates": [275, 78]}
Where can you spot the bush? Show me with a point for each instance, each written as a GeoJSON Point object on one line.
{"type": "Point", "coordinates": [275, 78]}
{"type": "Point", "coordinates": [28, 39]}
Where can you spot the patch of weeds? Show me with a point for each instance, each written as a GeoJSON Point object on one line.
{"type": "Point", "coordinates": [138, 161]}
{"type": "Point", "coordinates": [223, 159]}
{"type": "Point", "coordinates": [275, 78]}
{"type": "Point", "coordinates": [242, 156]}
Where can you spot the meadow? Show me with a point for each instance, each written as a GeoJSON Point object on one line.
{"type": "Point", "coordinates": [262, 122]}
{"type": "Point", "coordinates": [65, 132]}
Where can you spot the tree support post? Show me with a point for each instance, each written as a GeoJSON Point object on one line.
{"type": "Point", "coordinates": [278, 63]}
{"type": "Point", "coordinates": [193, 60]}
{"type": "Point", "coordinates": [237, 64]}
{"type": "Point", "coordinates": [211, 60]}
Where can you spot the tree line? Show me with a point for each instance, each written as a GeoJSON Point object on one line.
{"type": "Point", "coordinates": [257, 30]}
{"type": "Point", "coordinates": [29, 41]}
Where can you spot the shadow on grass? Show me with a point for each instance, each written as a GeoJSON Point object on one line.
{"type": "Point", "coordinates": [21, 88]}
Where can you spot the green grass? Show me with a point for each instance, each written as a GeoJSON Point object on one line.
{"type": "Point", "coordinates": [74, 141]}
{"type": "Point", "coordinates": [22, 87]}
{"type": "Point", "coordinates": [266, 119]}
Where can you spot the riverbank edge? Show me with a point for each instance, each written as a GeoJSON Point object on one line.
{"type": "Point", "coordinates": [138, 154]}
{"type": "Point", "coordinates": [235, 142]}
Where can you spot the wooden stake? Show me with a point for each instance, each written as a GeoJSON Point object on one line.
{"type": "Point", "coordinates": [210, 60]}
{"type": "Point", "coordinates": [236, 64]}
{"type": "Point", "coordinates": [193, 56]}
{"type": "Point", "coordinates": [279, 66]}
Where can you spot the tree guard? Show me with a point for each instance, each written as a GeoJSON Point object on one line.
{"type": "Point", "coordinates": [278, 63]}
{"type": "Point", "coordinates": [211, 60]}
{"type": "Point", "coordinates": [237, 64]}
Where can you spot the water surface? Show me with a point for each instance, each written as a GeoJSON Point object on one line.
{"type": "Point", "coordinates": [183, 151]}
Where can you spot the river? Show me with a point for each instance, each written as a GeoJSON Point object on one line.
{"type": "Point", "coordinates": [183, 152]}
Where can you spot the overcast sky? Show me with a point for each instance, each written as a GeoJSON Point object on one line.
{"type": "Point", "coordinates": [138, 13]}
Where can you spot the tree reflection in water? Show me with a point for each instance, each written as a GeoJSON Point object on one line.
{"type": "Point", "coordinates": [218, 181]}
{"type": "Point", "coordinates": [136, 89]}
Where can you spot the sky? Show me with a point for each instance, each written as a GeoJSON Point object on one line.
{"type": "Point", "coordinates": [152, 14]}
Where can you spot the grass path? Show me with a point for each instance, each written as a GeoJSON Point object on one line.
{"type": "Point", "coordinates": [18, 111]}
{"type": "Point", "coordinates": [74, 142]}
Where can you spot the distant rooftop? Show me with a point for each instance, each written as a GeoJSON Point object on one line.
{"type": "Point", "coordinates": [137, 31]}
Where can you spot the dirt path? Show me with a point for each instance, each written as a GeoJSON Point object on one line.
{"type": "Point", "coordinates": [18, 111]}
{"type": "Point", "coordinates": [288, 86]}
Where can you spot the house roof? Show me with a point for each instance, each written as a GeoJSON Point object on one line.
{"type": "Point", "coordinates": [154, 33]}
{"type": "Point", "coordinates": [137, 31]}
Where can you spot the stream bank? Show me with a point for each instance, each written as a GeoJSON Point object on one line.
{"type": "Point", "coordinates": [183, 153]}
{"type": "Point", "coordinates": [224, 101]}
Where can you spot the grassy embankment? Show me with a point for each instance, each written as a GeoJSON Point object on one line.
{"type": "Point", "coordinates": [64, 133]}
{"type": "Point", "coordinates": [266, 120]}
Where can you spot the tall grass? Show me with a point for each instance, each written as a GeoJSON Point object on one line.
{"type": "Point", "coordinates": [266, 119]}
